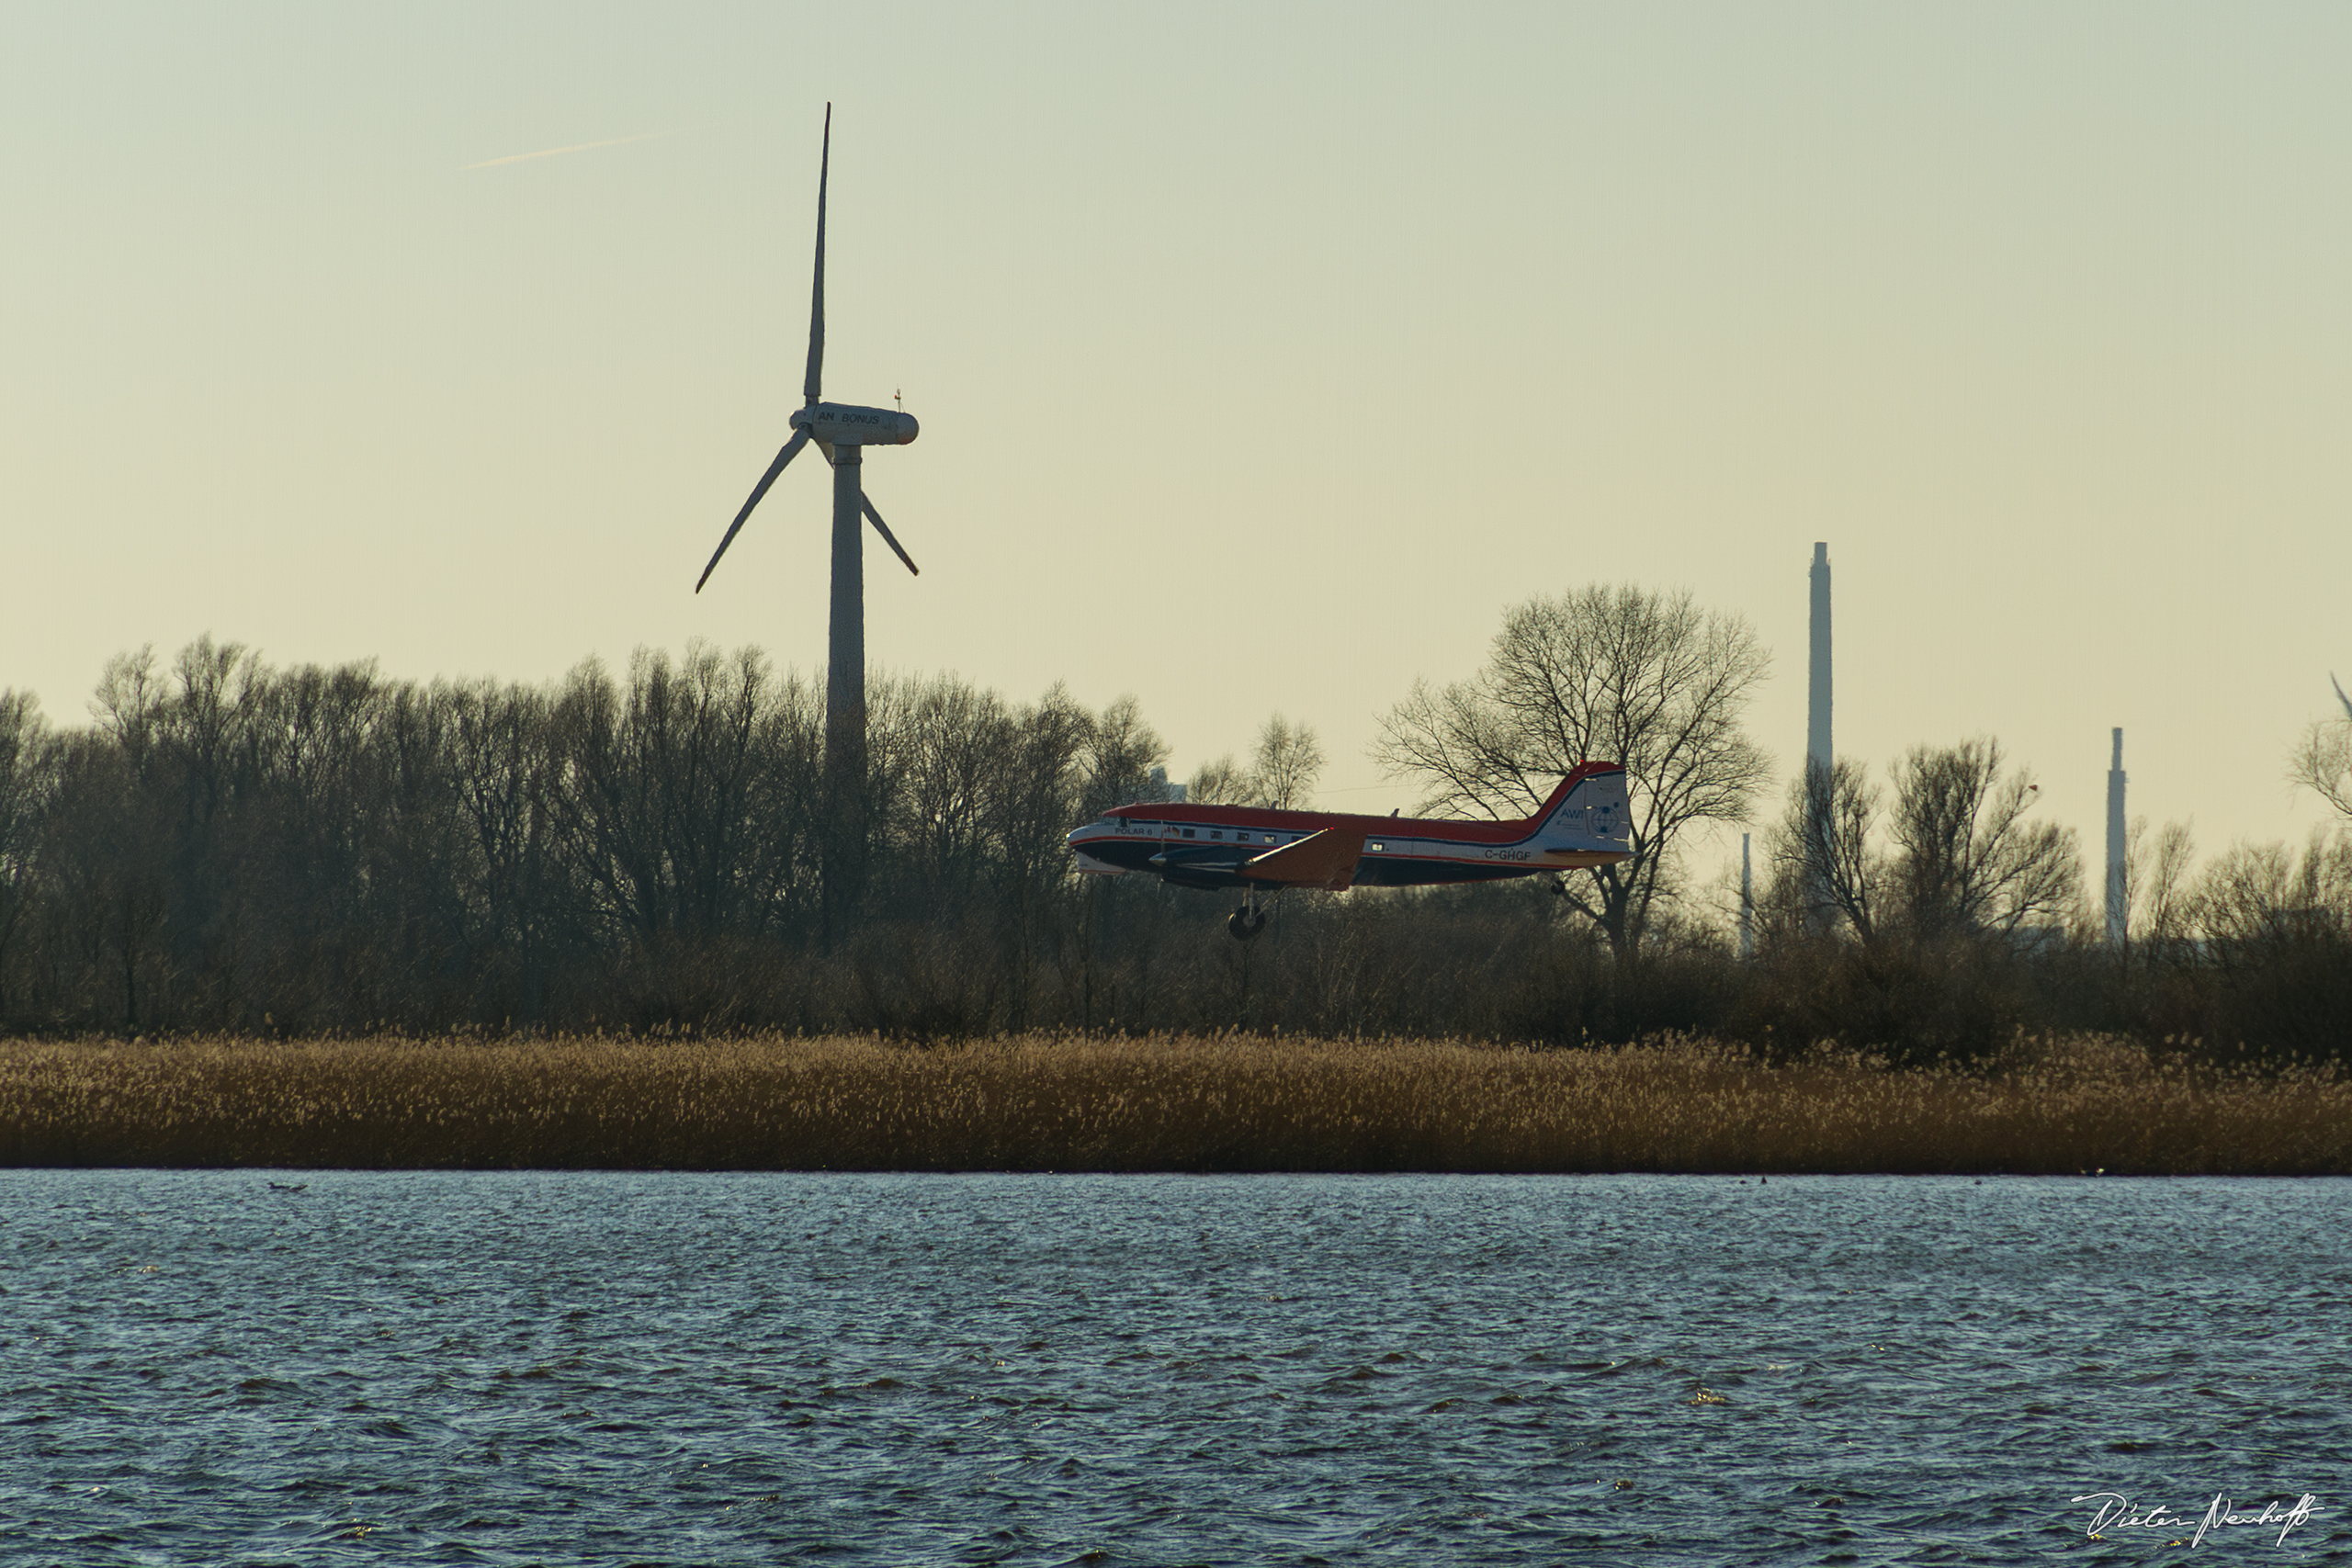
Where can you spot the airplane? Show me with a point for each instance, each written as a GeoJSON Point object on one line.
{"type": "Point", "coordinates": [1585, 822]}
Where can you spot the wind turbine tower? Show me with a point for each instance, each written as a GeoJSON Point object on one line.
{"type": "Point", "coordinates": [2118, 909]}
{"type": "Point", "coordinates": [841, 432]}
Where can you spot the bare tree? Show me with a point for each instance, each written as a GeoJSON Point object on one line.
{"type": "Point", "coordinates": [2322, 761]}
{"type": "Point", "coordinates": [957, 734]}
{"type": "Point", "coordinates": [1122, 750]}
{"type": "Point", "coordinates": [1220, 782]}
{"type": "Point", "coordinates": [1822, 853]}
{"type": "Point", "coordinates": [2165, 899]}
{"type": "Point", "coordinates": [2257, 897]}
{"type": "Point", "coordinates": [1964, 859]}
{"type": "Point", "coordinates": [28, 783]}
{"type": "Point", "coordinates": [2157, 891]}
{"type": "Point", "coordinates": [1287, 764]}
{"type": "Point", "coordinates": [1602, 673]}
{"type": "Point", "coordinates": [127, 701]}
{"type": "Point", "coordinates": [1969, 859]}
{"type": "Point", "coordinates": [665, 801]}
{"type": "Point", "coordinates": [1281, 773]}
{"type": "Point", "coordinates": [24, 738]}
{"type": "Point", "coordinates": [502, 776]}
{"type": "Point", "coordinates": [1036, 797]}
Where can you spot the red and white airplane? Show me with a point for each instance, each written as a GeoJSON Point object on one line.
{"type": "Point", "coordinates": [1585, 823]}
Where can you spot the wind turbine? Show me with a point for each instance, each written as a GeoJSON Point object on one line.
{"type": "Point", "coordinates": [840, 431]}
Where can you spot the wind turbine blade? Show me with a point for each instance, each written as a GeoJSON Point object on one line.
{"type": "Point", "coordinates": [817, 294]}
{"type": "Point", "coordinates": [2339, 695]}
{"type": "Point", "coordinates": [791, 450]}
{"type": "Point", "coordinates": [887, 537]}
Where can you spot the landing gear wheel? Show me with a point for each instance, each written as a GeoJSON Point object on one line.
{"type": "Point", "coordinates": [1246, 924]}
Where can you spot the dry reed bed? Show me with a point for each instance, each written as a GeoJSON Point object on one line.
{"type": "Point", "coordinates": [1228, 1103]}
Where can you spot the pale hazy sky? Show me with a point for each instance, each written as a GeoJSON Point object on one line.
{"type": "Point", "coordinates": [1265, 353]}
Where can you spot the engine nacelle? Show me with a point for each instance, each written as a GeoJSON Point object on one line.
{"type": "Point", "coordinates": [850, 424]}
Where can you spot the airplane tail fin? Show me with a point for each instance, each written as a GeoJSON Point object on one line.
{"type": "Point", "coordinates": [1589, 812]}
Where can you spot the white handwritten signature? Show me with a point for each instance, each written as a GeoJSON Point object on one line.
{"type": "Point", "coordinates": [2115, 1512]}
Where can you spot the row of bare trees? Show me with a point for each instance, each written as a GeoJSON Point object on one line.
{"type": "Point", "coordinates": [229, 845]}
{"type": "Point", "coordinates": [1950, 850]}
{"type": "Point", "coordinates": [1935, 912]}
{"type": "Point", "coordinates": [234, 845]}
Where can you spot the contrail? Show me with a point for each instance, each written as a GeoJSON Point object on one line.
{"type": "Point", "coordinates": [559, 151]}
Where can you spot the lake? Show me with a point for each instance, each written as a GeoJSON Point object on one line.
{"type": "Point", "coordinates": [523, 1368]}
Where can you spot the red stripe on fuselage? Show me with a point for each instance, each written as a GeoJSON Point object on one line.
{"type": "Point", "coordinates": [1435, 829]}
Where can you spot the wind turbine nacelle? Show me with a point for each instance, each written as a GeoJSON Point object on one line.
{"type": "Point", "coordinates": [849, 424]}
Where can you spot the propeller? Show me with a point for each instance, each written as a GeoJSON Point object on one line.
{"type": "Point", "coordinates": [809, 421]}
{"type": "Point", "coordinates": [817, 292]}
{"type": "Point", "coordinates": [791, 450]}
{"type": "Point", "coordinates": [884, 529]}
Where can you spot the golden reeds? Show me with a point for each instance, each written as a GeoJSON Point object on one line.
{"type": "Point", "coordinates": [1185, 1103]}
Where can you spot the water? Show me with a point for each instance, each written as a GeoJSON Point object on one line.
{"type": "Point", "coordinates": [607, 1369]}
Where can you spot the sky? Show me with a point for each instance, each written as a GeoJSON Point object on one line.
{"type": "Point", "coordinates": [1265, 355]}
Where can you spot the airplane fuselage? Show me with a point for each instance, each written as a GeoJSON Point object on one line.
{"type": "Point", "coordinates": [1235, 846]}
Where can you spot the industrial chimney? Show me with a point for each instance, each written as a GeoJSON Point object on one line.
{"type": "Point", "coordinates": [1819, 759]}
{"type": "Point", "coordinates": [1746, 904]}
{"type": "Point", "coordinates": [2119, 907]}
{"type": "Point", "coordinates": [1817, 752]}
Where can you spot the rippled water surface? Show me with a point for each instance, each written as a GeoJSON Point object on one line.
{"type": "Point", "coordinates": [196, 1367]}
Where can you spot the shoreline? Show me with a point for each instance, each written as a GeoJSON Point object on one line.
{"type": "Point", "coordinates": [1226, 1105]}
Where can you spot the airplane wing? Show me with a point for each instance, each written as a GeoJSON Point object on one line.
{"type": "Point", "coordinates": [1326, 859]}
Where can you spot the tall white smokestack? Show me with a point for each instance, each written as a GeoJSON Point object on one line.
{"type": "Point", "coordinates": [1817, 752]}
{"type": "Point", "coordinates": [1819, 758]}
{"type": "Point", "coordinates": [1746, 904]}
{"type": "Point", "coordinates": [2118, 909]}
